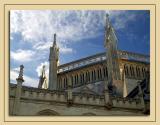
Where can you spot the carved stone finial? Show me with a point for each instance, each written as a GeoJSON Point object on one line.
{"type": "Point", "coordinates": [107, 15]}
{"type": "Point", "coordinates": [54, 42]}
{"type": "Point", "coordinates": [21, 72]}
{"type": "Point", "coordinates": [20, 77]}
{"type": "Point", "coordinates": [107, 21]}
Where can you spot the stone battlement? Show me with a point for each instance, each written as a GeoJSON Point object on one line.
{"type": "Point", "coordinates": [78, 98]}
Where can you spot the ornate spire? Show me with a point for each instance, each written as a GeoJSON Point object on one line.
{"type": "Point", "coordinates": [54, 42]}
{"type": "Point", "coordinates": [107, 21]}
{"type": "Point", "coordinates": [21, 72]}
{"type": "Point", "coordinates": [20, 77]}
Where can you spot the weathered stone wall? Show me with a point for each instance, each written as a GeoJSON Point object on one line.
{"type": "Point", "coordinates": [34, 100]}
{"type": "Point", "coordinates": [34, 107]}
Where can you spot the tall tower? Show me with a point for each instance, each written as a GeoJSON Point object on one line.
{"type": "Point", "coordinates": [53, 60]}
{"type": "Point", "coordinates": [111, 54]}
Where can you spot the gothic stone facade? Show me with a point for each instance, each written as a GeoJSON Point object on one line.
{"type": "Point", "coordinates": [110, 83]}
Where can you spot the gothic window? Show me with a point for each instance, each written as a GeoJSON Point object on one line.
{"type": "Point", "coordinates": [125, 69]}
{"type": "Point", "coordinates": [130, 71]}
{"type": "Point", "coordinates": [104, 72]}
{"type": "Point", "coordinates": [66, 83]}
{"type": "Point", "coordinates": [89, 76]}
{"type": "Point", "coordinates": [48, 112]}
{"type": "Point", "coordinates": [143, 72]}
{"type": "Point", "coordinates": [80, 78]}
{"type": "Point", "coordinates": [94, 75]}
{"type": "Point", "coordinates": [72, 80]}
{"type": "Point", "coordinates": [75, 79]}
{"type": "Point", "coordinates": [64, 86]}
{"type": "Point", "coordinates": [83, 78]}
{"type": "Point", "coordinates": [100, 73]}
{"type": "Point", "coordinates": [138, 71]}
{"type": "Point", "coordinates": [86, 76]}
{"type": "Point", "coordinates": [133, 71]}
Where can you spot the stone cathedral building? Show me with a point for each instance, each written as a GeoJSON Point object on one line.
{"type": "Point", "coordinates": [113, 83]}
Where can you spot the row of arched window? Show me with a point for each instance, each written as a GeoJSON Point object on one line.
{"type": "Point", "coordinates": [134, 71]}
{"type": "Point", "coordinates": [83, 78]}
{"type": "Point", "coordinates": [99, 74]}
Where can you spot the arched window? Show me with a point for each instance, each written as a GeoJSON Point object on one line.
{"type": "Point", "coordinates": [130, 71]}
{"type": "Point", "coordinates": [72, 81]}
{"type": "Point", "coordinates": [48, 112]}
{"type": "Point", "coordinates": [77, 78]}
{"type": "Point", "coordinates": [66, 81]}
{"type": "Point", "coordinates": [75, 81]}
{"type": "Point", "coordinates": [143, 72]}
{"type": "Point", "coordinates": [86, 76]}
{"type": "Point", "coordinates": [126, 70]}
{"type": "Point", "coordinates": [97, 74]}
{"type": "Point", "coordinates": [89, 78]}
{"type": "Point", "coordinates": [94, 72]}
{"type": "Point", "coordinates": [92, 76]}
{"type": "Point", "coordinates": [106, 72]}
{"type": "Point", "coordinates": [100, 73]}
{"type": "Point", "coordinates": [83, 78]}
{"type": "Point", "coordinates": [133, 71]}
{"type": "Point", "coordinates": [137, 72]}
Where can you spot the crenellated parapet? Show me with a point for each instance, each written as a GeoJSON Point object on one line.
{"type": "Point", "coordinates": [43, 95]}
{"type": "Point", "coordinates": [129, 103]}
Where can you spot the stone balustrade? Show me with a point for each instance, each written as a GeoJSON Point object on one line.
{"type": "Point", "coordinates": [101, 57]}
{"type": "Point", "coordinates": [45, 96]}
{"type": "Point", "coordinates": [78, 98]}
{"type": "Point", "coordinates": [127, 103]}
{"type": "Point", "coordinates": [88, 99]}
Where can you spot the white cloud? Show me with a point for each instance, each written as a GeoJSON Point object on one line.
{"type": "Point", "coordinates": [121, 18]}
{"type": "Point", "coordinates": [29, 81]}
{"type": "Point", "coordinates": [66, 50]}
{"type": "Point", "coordinates": [38, 26]}
{"type": "Point", "coordinates": [22, 55]}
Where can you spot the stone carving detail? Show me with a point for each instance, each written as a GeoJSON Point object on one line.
{"type": "Point", "coordinates": [21, 72]}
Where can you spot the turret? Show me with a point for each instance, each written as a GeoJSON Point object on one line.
{"type": "Point", "coordinates": [20, 80]}
{"type": "Point", "coordinates": [53, 60]}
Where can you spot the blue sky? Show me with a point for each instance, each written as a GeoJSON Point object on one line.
{"type": "Point", "coordinates": [79, 34]}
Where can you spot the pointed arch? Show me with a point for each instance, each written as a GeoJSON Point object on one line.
{"type": "Point", "coordinates": [48, 112]}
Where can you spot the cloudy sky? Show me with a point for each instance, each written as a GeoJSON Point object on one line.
{"type": "Point", "coordinates": [79, 34]}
